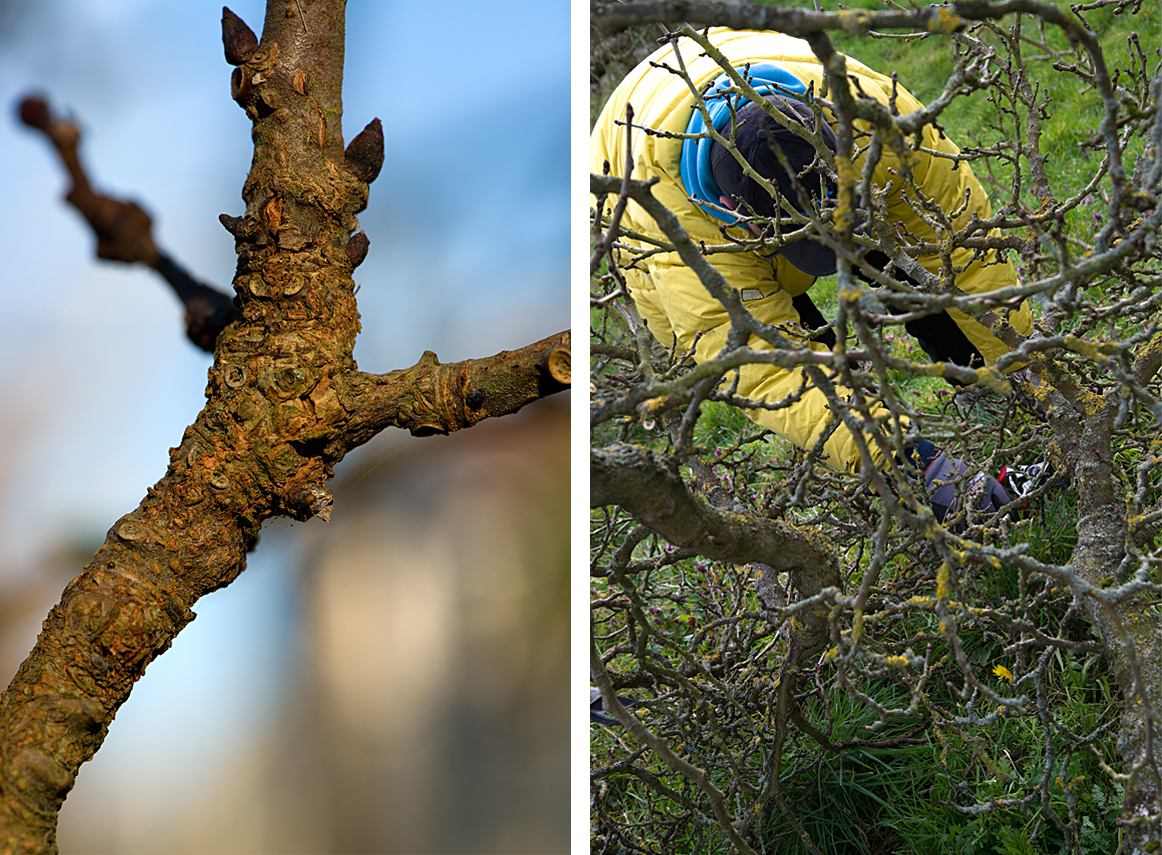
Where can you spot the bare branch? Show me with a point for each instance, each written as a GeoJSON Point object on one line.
{"type": "Point", "coordinates": [124, 230]}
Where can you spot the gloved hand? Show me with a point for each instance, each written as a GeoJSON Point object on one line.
{"type": "Point", "coordinates": [597, 707]}
{"type": "Point", "coordinates": [942, 479]}
{"type": "Point", "coordinates": [943, 476]}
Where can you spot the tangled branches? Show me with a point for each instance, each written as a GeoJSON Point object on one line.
{"type": "Point", "coordinates": [820, 662]}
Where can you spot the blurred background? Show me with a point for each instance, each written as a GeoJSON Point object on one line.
{"type": "Point", "coordinates": [396, 680]}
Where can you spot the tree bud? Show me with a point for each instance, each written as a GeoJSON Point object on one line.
{"type": "Point", "coordinates": [357, 249]}
{"type": "Point", "coordinates": [365, 153]}
{"type": "Point", "coordinates": [231, 224]}
{"type": "Point", "coordinates": [34, 113]}
{"type": "Point", "coordinates": [238, 39]}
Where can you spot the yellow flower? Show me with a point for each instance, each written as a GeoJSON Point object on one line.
{"type": "Point", "coordinates": [1003, 672]}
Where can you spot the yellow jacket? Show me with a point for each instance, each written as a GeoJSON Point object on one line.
{"type": "Point", "coordinates": [669, 296]}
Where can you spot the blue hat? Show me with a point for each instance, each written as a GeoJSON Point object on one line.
{"type": "Point", "coordinates": [757, 136]}
{"type": "Point", "coordinates": [704, 161]}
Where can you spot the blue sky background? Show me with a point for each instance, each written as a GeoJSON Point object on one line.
{"type": "Point", "coordinates": [469, 231]}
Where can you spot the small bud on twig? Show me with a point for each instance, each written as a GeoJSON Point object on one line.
{"type": "Point", "coordinates": [357, 249]}
{"type": "Point", "coordinates": [365, 153]}
{"type": "Point", "coordinates": [34, 113]}
{"type": "Point", "coordinates": [231, 224]}
{"type": "Point", "coordinates": [237, 38]}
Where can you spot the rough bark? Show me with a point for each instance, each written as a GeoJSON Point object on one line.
{"type": "Point", "coordinates": [284, 403]}
{"type": "Point", "coordinates": [1131, 626]}
{"type": "Point", "coordinates": [639, 482]}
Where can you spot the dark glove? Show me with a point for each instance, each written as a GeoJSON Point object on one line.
{"type": "Point", "coordinates": [942, 479]}
{"type": "Point", "coordinates": [597, 707]}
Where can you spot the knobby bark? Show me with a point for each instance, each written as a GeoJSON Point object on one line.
{"type": "Point", "coordinates": [646, 487]}
{"type": "Point", "coordinates": [284, 403]}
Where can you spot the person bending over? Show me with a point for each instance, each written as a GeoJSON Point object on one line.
{"type": "Point", "coordinates": [703, 183]}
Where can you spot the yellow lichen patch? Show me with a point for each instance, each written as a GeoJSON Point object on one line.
{"type": "Point", "coordinates": [994, 380]}
{"type": "Point", "coordinates": [1092, 349]}
{"type": "Point", "coordinates": [944, 21]}
{"type": "Point", "coordinates": [845, 170]}
{"type": "Point", "coordinates": [654, 405]}
{"type": "Point", "coordinates": [1151, 351]}
{"type": "Point", "coordinates": [897, 661]}
{"type": "Point", "coordinates": [855, 21]}
{"type": "Point", "coordinates": [944, 582]}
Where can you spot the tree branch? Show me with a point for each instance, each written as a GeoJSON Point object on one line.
{"type": "Point", "coordinates": [124, 231]}
{"type": "Point", "coordinates": [1093, 359]}
{"type": "Point", "coordinates": [432, 398]}
{"type": "Point", "coordinates": [739, 15]}
{"type": "Point", "coordinates": [284, 403]}
{"type": "Point", "coordinates": [643, 485]}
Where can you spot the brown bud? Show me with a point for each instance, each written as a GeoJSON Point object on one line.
{"type": "Point", "coordinates": [238, 39]}
{"type": "Point", "coordinates": [365, 153]}
{"type": "Point", "coordinates": [231, 224]}
{"type": "Point", "coordinates": [357, 249]}
{"type": "Point", "coordinates": [34, 113]}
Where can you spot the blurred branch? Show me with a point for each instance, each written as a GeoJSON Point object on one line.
{"type": "Point", "coordinates": [124, 231]}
